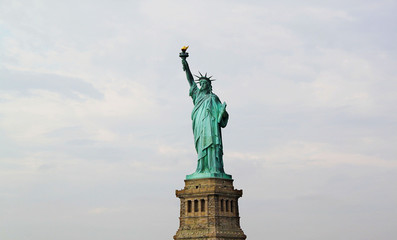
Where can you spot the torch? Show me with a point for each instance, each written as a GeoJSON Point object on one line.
{"type": "Point", "coordinates": [184, 54]}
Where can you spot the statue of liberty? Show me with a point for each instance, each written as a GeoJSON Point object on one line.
{"type": "Point", "coordinates": [209, 115]}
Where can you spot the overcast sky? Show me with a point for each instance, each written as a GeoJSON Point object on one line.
{"type": "Point", "coordinates": [95, 129]}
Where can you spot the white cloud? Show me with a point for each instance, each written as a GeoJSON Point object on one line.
{"type": "Point", "coordinates": [304, 154]}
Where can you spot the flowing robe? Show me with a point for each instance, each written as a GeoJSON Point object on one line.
{"type": "Point", "coordinates": [208, 116]}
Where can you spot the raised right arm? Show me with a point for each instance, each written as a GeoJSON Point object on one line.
{"type": "Point", "coordinates": [189, 75]}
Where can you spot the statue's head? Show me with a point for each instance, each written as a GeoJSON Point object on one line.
{"type": "Point", "coordinates": [205, 85]}
{"type": "Point", "coordinates": [205, 82]}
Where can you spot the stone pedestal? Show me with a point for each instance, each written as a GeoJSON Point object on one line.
{"type": "Point", "coordinates": [209, 210]}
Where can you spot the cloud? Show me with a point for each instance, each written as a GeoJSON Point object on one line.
{"type": "Point", "coordinates": [303, 154]}
{"type": "Point", "coordinates": [23, 82]}
{"type": "Point", "coordinates": [95, 124]}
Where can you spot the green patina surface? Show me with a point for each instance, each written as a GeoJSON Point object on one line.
{"type": "Point", "coordinates": [197, 175]}
{"type": "Point", "coordinates": [209, 115]}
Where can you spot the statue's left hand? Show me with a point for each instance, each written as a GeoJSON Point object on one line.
{"type": "Point", "coordinates": [224, 105]}
{"type": "Point", "coordinates": [222, 114]}
{"type": "Point", "coordinates": [224, 108]}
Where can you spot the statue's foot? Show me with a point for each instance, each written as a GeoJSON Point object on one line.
{"type": "Point", "coordinates": [197, 175]}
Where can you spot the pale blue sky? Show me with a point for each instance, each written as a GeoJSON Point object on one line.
{"type": "Point", "coordinates": [95, 129]}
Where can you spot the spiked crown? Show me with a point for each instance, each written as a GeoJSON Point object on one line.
{"type": "Point", "coordinates": [203, 77]}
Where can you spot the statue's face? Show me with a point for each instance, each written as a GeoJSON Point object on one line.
{"type": "Point", "coordinates": [205, 86]}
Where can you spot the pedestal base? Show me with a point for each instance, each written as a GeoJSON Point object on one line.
{"type": "Point", "coordinates": [209, 210]}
